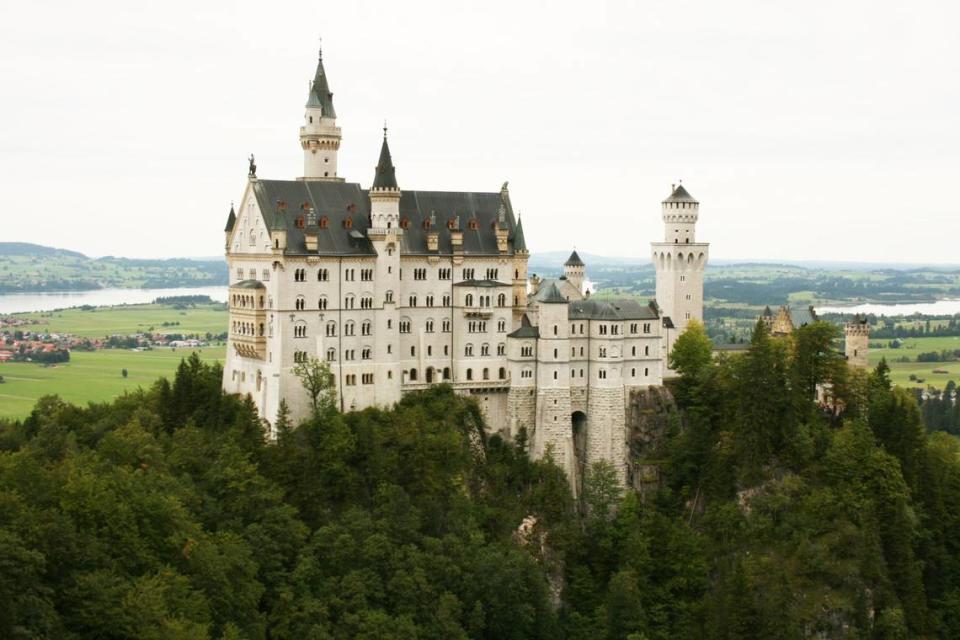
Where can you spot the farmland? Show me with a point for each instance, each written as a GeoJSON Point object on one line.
{"type": "Point", "coordinates": [130, 319]}
{"type": "Point", "coordinates": [89, 376]}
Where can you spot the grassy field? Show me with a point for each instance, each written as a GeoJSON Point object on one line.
{"type": "Point", "coordinates": [900, 371]}
{"type": "Point", "coordinates": [89, 376]}
{"type": "Point", "coordinates": [129, 319]}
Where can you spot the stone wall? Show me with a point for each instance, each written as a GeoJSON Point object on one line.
{"type": "Point", "coordinates": [606, 434]}
{"type": "Point", "coordinates": [493, 403]}
{"type": "Point", "coordinates": [649, 413]}
{"type": "Point", "coordinates": [521, 410]}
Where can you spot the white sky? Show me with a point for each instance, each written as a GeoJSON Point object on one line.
{"type": "Point", "coordinates": [807, 130]}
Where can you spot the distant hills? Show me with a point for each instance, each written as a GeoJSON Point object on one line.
{"type": "Point", "coordinates": [27, 267]}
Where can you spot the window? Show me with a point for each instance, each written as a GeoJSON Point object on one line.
{"type": "Point", "coordinates": [633, 327]}
{"type": "Point", "coordinates": [388, 296]}
{"type": "Point", "coordinates": [444, 274]}
{"type": "Point", "coordinates": [331, 328]}
{"type": "Point", "coordinates": [323, 275]}
{"type": "Point", "coordinates": [366, 328]}
{"type": "Point", "coordinates": [365, 353]}
{"type": "Point", "coordinates": [501, 349]}
{"type": "Point", "coordinates": [602, 374]}
{"type": "Point", "coordinates": [266, 275]}
{"type": "Point", "coordinates": [603, 352]}
{"type": "Point", "coordinates": [633, 351]}
{"type": "Point", "coordinates": [349, 354]}
{"type": "Point", "coordinates": [469, 374]}
{"type": "Point", "coordinates": [349, 275]}
{"type": "Point", "coordinates": [301, 356]}
{"type": "Point", "coordinates": [468, 301]}
{"type": "Point", "coordinates": [502, 300]}
{"type": "Point", "coordinates": [323, 302]}
{"type": "Point", "coordinates": [486, 373]}
{"type": "Point", "coordinates": [446, 300]}
{"type": "Point", "coordinates": [526, 373]}
{"type": "Point", "coordinates": [683, 278]}
{"type": "Point", "coordinates": [366, 275]}
{"type": "Point", "coordinates": [299, 275]}
{"type": "Point", "coordinates": [492, 274]}
{"type": "Point", "coordinates": [300, 330]}
{"type": "Point", "coordinates": [412, 301]}
{"type": "Point", "coordinates": [573, 351]}
{"type": "Point", "coordinates": [646, 372]}
{"type": "Point", "coordinates": [485, 350]}
{"type": "Point", "coordinates": [467, 274]}
{"type": "Point", "coordinates": [429, 326]}
{"type": "Point", "coordinates": [413, 352]}
{"type": "Point", "coordinates": [350, 379]}
{"type": "Point", "coordinates": [646, 327]}
{"type": "Point", "coordinates": [502, 373]}
{"type": "Point", "coordinates": [646, 351]}
{"type": "Point", "coordinates": [413, 375]}
{"type": "Point", "coordinates": [468, 350]}
{"type": "Point", "coordinates": [526, 351]}
{"type": "Point", "coordinates": [445, 325]}
{"type": "Point", "coordinates": [348, 328]}
{"type": "Point", "coordinates": [300, 303]}
{"type": "Point", "coordinates": [331, 354]}
{"type": "Point", "coordinates": [366, 302]}
{"type": "Point", "coordinates": [502, 326]}
{"type": "Point", "coordinates": [555, 376]}
{"type": "Point", "coordinates": [404, 326]}
{"type": "Point", "coordinates": [555, 329]}
{"type": "Point", "coordinates": [430, 300]}
{"type": "Point", "coordinates": [603, 329]}
{"type": "Point", "coordinates": [348, 302]}
{"type": "Point", "coordinates": [419, 274]}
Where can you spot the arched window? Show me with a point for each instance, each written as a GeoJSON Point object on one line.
{"type": "Point", "coordinates": [331, 354]}
{"type": "Point", "coordinates": [502, 300]}
{"type": "Point", "coordinates": [413, 375]}
{"type": "Point", "coordinates": [469, 374]}
{"type": "Point", "coordinates": [503, 373]}
{"type": "Point", "coordinates": [486, 373]}
{"type": "Point", "coordinates": [469, 300]}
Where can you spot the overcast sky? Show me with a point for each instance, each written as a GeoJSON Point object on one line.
{"type": "Point", "coordinates": [807, 130]}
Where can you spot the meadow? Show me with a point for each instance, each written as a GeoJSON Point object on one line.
{"type": "Point", "coordinates": [130, 319]}
{"type": "Point", "coordinates": [900, 371]}
{"type": "Point", "coordinates": [90, 376]}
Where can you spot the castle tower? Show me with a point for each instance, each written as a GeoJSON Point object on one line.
{"type": "Point", "coordinates": [680, 262]}
{"type": "Point", "coordinates": [857, 343]}
{"type": "Point", "coordinates": [385, 234]}
{"type": "Point", "coordinates": [573, 269]}
{"type": "Point", "coordinates": [320, 135]}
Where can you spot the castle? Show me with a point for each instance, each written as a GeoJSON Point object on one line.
{"type": "Point", "coordinates": [400, 289]}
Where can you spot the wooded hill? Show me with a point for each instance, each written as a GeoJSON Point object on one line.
{"type": "Point", "coordinates": [166, 514]}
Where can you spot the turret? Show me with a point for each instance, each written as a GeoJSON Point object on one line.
{"type": "Point", "coordinates": [573, 269]}
{"type": "Point", "coordinates": [384, 194]}
{"type": "Point", "coordinates": [680, 213]}
{"type": "Point", "coordinates": [857, 341]}
{"type": "Point", "coordinates": [320, 135]}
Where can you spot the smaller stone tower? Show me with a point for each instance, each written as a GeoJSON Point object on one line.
{"type": "Point", "coordinates": [857, 334]}
{"type": "Point", "coordinates": [573, 269]}
{"type": "Point", "coordinates": [320, 135]}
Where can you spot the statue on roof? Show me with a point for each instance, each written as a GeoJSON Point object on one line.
{"type": "Point", "coordinates": [253, 167]}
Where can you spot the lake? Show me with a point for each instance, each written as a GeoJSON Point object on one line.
{"type": "Point", "coordinates": [21, 302]}
{"type": "Point", "coordinates": [938, 308]}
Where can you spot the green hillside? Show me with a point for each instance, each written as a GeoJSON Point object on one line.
{"type": "Point", "coordinates": [26, 267]}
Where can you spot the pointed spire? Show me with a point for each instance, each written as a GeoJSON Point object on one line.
{"type": "Point", "coordinates": [385, 177]}
{"type": "Point", "coordinates": [519, 243]}
{"type": "Point", "coordinates": [574, 260]}
{"type": "Point", "coordinates": [320, 95]}
{"type": "Point", "coordinates": [680, 194]}
{"type": "Point", "coordinates": [231, 219]}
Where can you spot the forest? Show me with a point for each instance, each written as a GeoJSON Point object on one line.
{"type": "Point", "coordinates": [799, 499]}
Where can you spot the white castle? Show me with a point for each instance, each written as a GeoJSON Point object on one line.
{"type": "Point", "coordinates": [399, 290]}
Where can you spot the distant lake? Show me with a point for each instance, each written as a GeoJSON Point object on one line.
{"type": "Point", "coordinates": [938, 308]}
{"type": "Point", "coordinates": [22, 302]}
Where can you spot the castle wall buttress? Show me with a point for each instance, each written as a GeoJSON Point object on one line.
{"type": "Point", "coordinates": [606, 428]}
{"type": "Point", "coordinates": [521, 411]}
{"type": "Point", "coordinates": [554, 430]}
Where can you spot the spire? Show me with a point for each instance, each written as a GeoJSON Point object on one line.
{"type": "Point", "coordinates": [385, 177]}
{"type": "Point", "coordinates": [519, 244]}
{"type": "Point", "coordinates": [231, 219]}
{"type": "Point", "coordinates": [320, 96]}
{"type": "Point", "coordinates": [574, 260]}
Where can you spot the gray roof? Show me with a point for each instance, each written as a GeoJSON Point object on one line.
{"type": "Point", "coordinates": [593, 309]}
{"type": "Point", "coordinates": [767, 312]}
{"type": "Point", "coordinates": [338, 201]}
{"type": "Point", "coordinates": [320, 95]}
{"type": "Point", "coordinates": [680, 195]}
{"type": "Point", "coordinates": [231, 220]}
{"type": "Point", "coordinates": [550, 294]}
{"type": "Point", "coordinates": [386, 175]}
{"type": "Point", "coordinates": [801, 317]}
{"type": "Point", "coordinates": [248, 284]}
{"type": "Point", "coordinates": [526, 331]}
{"type": "Point", "coordinates": [574, 260]}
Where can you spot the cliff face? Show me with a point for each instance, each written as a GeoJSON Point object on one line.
{"type": "Point", "coordinates": [650, 412]}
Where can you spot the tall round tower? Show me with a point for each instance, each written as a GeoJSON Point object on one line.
{"type": "Point", "coordinates": [320, 135]}
{"type": "Point", "coordinates": [680, 262]}
{"type": "Point", "coordinates": [857, 341]}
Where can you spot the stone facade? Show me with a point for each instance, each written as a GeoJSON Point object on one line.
{"type": "Point", "coordinates": [399, 290]}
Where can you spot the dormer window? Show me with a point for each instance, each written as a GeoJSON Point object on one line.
{"type": "Point", "coordinates": [324, 222]}
{"type": "Point", "coordinates": [348, 223]}
{"type": "Point", "coordinates": [450, 224]}
{"type": "Point", "coordinates": [405, 223]}
{"type": "Point", "coordinates": [473, 223]}
{"type": "Point", "coordinates": [299, 222]}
